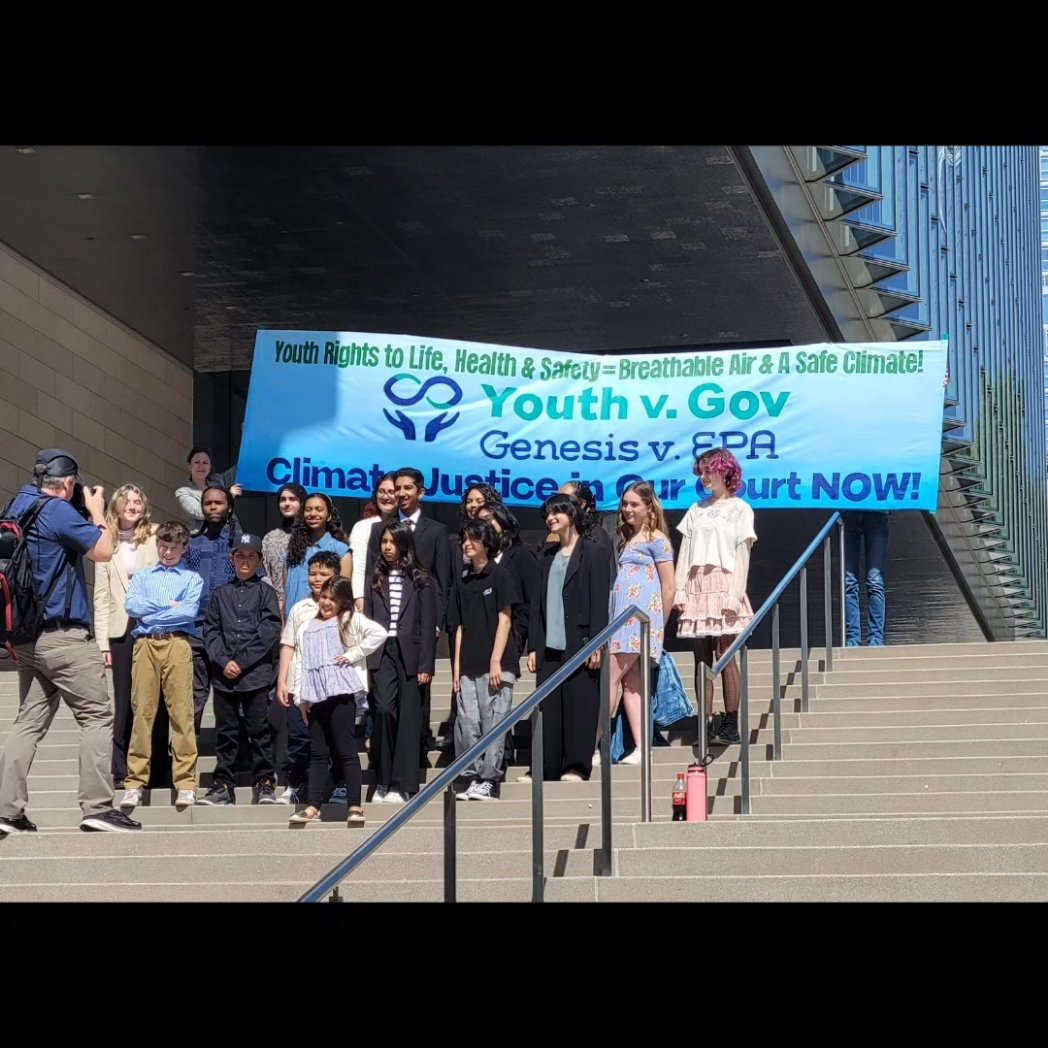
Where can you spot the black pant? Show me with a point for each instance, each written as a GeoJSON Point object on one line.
{"type": "Point", "coordinates": [121, 649]}
{"type": "Point", "coordinates": [397, 713]}
{"type": "Point", "coordinates": [202, 681]}
{"type": "Point", "coordinates": [255, 706]}
{"type": "Point", "coordinates": [332, 733]}
{"type": "Point", "coordinates": [569, 718]}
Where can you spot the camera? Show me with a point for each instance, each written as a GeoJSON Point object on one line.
{"type": "Point", "coordinates": [77, 501]}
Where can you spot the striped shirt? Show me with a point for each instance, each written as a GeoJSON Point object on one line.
{"type": "Point", "coordinates": [396, 591]}
{"type": "Point", "coordinates": [149, 600]}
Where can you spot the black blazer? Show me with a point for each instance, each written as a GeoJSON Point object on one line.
{"type": "Point", "coordinates": [432, 553]}
{"type": "Point", "coordinates": [587, 593]}
{"type": "Point", "coordinates": [520, 562]}
{"type": "Point", "coordinates": [416, 625]}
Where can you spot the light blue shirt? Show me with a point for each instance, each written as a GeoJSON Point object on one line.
{"type": "Point", "coordinates": [149, 600]}
{"type": "Point", "coordinates": [555, 635]}
{"type": "Point", "coordinates": [296, 587]}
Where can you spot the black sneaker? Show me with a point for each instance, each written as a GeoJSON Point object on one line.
{"type": "Point", "coordinates": [713, 725]}
{"type": "Point", "coordinates": [264, 792]}
{"type": "Point", "coordinates": [219, 794]}
{"type": "Point", "coordinates": [112, 821]}
{"type": "Point", "coordinates": [19, 825]}
{"type": "Point", "coordinates": [729, 729]}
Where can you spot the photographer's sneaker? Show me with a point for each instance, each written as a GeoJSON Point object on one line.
{"type": "Point", "coordinates": [19, 825]}
{"type": "Point", "coordinates": [132, 798]}
{"type": "Point", "coordinates": [219, 794]}
{"type": "Point", "coordinates": [111, 821]}
{"type": "Point", "coordinates": [186, 799]}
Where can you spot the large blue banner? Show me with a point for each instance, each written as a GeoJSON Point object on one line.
{"type": "Point", "coordinates": [855, 425]}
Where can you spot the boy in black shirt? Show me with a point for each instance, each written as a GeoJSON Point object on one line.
{"type": "Point", "coordinates": [486, 664]}
{"type": "Point", "coordinates": [240, 635]}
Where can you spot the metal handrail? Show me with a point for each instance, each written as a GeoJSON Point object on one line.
{"type": "Point", "coordinates": [740, 646]}
{"type": "Point", "coordinates": [531, 705]}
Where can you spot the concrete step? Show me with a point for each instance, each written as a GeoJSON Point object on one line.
{"type": "Point", "coordinates": [885, 804]}
{"type": "Point", "coordinates": [945, 688]}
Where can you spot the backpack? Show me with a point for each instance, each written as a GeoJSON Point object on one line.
{"type": "Point", "coordinates": [21, 609]}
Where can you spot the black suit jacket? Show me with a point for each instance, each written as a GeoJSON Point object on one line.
{"type": "Point", "coordinates": [587, 593]}
{"type": "Point", "coordinates": [432, 553]}
{"type": "Point", "coordinates": [520, 562]}
{"type": "Point", "coordinates": [416, 625]}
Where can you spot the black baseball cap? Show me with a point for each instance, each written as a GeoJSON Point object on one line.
{"type": "Point", "coordinates": [59, 464]}
{"type": "Point", "coordinates": [247, 541]}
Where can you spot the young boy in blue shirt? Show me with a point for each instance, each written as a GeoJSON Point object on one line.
{"type": "Point", "coordinates": [164, 600]}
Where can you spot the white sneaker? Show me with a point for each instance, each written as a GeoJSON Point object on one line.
{"type": "Point", "coordinates": [526, 777]}
{"type": "Point", "coordinates": [485, 791]}
{"type": "Point", "coordinates": [379, 795]}
{"type": "Point", "coordinates": [338, 796]}
{"type": "Point", "coordinates": [596, 757]}
{"type": "Point", "coordinates": [185, 799]}
{"type": "Point", "coordinates": [468, 793]}
{"type": "Point", "coordinates": [394, 797]}
{"type": "Point", "coordinates": [632, 758]}
{"type": "Point", "coordinates": [131, 799]}
{"type": "Point", "coordinates": [289, 796]}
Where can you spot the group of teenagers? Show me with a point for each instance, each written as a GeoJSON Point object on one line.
{"type": "Point", "coordinates": [317, 643]}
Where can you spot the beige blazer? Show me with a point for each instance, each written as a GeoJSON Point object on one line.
{"type": "Point", "coordinates": [111, 585]}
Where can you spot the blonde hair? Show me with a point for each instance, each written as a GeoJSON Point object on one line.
{"type": "Point", "coordinates": [656, 519]}
{"type": "Point", "coordinates": [143, 529]}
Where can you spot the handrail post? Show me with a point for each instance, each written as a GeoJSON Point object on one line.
{"type": "Point", "coordinates": [804, 639]}
{"type": "Point", "coordinates": [827, 594]}
{"type": "Point", "coordinates": [776, 688]}
{"type": "Point", "coordinates": [645, 719]}
{"type": "Point", "coordinates": [843, 618]}
{"type": "Point", "coordinates": [450, 852]}
{"type": "Point", "coordinates": [701, 702]}
{"type": "Point", "coordinates": [538, 855]}
{"type": "Point", "coordinates": [605, 766]}
{"type": "Point", "coordinates": [744, 727]}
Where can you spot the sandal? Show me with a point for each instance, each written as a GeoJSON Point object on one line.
{"type": "Point", "coordinates": [304, 815]}
{"type": "Point", "coordinates": [355, 817]}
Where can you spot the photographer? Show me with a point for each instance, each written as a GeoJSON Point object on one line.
{"type": "Point", "coordinates": [62, 661]}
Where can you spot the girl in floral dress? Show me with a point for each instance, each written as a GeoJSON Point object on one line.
{"type": "Point", "coordinates": [645, 578]}
{"type": "Point", "coordinates": [712, 569]}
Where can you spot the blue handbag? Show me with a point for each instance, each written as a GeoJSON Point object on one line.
{"type": "Point", "coordinates": [669, 704]}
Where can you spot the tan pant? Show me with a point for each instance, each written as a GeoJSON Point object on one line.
{"type": "Point", "coordinates": [61, 664]}
{"type": "Point", "coordinates": [162, 665]}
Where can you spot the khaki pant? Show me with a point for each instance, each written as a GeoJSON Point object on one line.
{"type": "Point", "coordinates": [60, 664]}
{"type": "Point", "coordinates": [162, 665]}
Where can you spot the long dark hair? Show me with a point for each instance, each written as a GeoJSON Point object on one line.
{"type": "Point", "coordinates": [231, 518]}
{"type": "Point", "coordinates": [569, 504]}
{"type": "Point", "coordinates": [404, 540]}
{"type": "Point", "coordinates": [287, 523]}
{"type": "Point", "coordinates": [299, 542]}
{"type": "Point", "coordinates": [491, 497]}
{"type": "Point", "coordinates": [507, 522]}
{"type": "Point", "coordinates": [588, 503]}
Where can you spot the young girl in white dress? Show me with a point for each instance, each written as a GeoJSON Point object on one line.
{"type": "Point", "coordinates": [712, 569]}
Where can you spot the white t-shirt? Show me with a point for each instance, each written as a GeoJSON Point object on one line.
{"type": "Point", "coordinates": [713, 530]}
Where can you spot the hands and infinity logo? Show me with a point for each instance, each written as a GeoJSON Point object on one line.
{"type": "Point", "coordinates": [434, 425]}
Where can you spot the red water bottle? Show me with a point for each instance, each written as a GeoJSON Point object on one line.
{"type": "Point", "coordinates": [680, 798]}
{"type": "Point", "coordinates": [695, 809]}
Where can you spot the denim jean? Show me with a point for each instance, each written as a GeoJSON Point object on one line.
{"type": "Point", "coordinates": [872, 527]}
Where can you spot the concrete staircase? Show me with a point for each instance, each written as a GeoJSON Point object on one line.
{"type": "Point", "coordinates": [919, 773]}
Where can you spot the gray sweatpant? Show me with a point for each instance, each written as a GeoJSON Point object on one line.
{"type": "Point", "coordinates": [478, 711]}
{"type": "Point", "coordinates": [61, 664]}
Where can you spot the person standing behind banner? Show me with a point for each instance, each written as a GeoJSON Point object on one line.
{"type": "Point", "coordinates": [319, 527]}
{"type": "Point", "coordinates": [62, 661]}
{"type": "Point", "coordinates": [402, 599]}
{"type": "Point", "coordinates": [385, 499]}
{"type": "Point", "coordinates": [645, 578]}
{"type": "Point", "coordinates": [712, 570]}
{"type": "Point", "coordinates": [200, 476]}
{"type": "Point", "coordinates": [290, 500]}
{"type": "Point", "coordinates": [872, 528]}
{"type": "Point", "coordinates": [572, 607]}
{"type": "Point", "coordinates": [134, 545]}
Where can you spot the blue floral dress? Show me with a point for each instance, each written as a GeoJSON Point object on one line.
{"type": "Point", "coordinates": [638, 583]}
